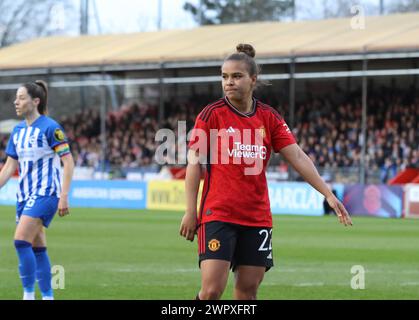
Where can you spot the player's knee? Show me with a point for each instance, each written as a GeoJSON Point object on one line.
{"type": "Point", "coordinates": [40, 240]}
{"type": "Point", "coordinates": [246, 291]}
{"type": "Point", "coordinates": [246, 295]}
{"type": "Point", "coordinates": [20, 236]}
{"type": "Point", "coordinates": [211, 293]}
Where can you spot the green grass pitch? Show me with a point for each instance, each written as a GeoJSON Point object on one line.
{"type": "Point", "coordinates": [128, 254]}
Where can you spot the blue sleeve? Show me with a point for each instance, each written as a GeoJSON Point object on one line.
{"type": "Point", "coordinates": [55, 135]}
{"type": "Point", "coordinates": [11, 148]}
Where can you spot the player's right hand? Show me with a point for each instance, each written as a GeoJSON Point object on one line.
{"type": "Point", "coordinates": [188, 226]}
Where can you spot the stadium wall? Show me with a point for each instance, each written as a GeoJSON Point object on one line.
{"type": "Point", "coordinates": [411, 199]}
{"type": "Point", "coordinates": [297, 198]}
{"type": "Point", "coordinates": [374, 200]}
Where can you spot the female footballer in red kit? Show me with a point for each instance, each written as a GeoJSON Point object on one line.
{"type": "Point", "coordinates": [236, 135]}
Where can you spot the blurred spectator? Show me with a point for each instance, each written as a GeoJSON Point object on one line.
{"type": "Point", "coordinates": [333, 137]}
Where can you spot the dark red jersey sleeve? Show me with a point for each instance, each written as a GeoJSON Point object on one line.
{"type": "Point", "coordinates": [281, 133]}
{"type": "Point", "coordinates": [200, 136]}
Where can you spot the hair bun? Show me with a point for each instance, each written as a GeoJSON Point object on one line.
{"type": "Point", "coordinates": [247, 49]}
{"type": "Point", "coordinates": [42, 84]}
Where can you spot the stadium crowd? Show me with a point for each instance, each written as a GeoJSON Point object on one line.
{"type": "Point", "coordinates": [329, 132]}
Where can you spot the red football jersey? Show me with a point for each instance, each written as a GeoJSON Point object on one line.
{"type": "Point", "coordinates": [237, 148]}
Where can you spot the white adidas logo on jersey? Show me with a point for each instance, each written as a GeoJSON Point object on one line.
{"type": "Point", "coordinates": [230, 130]}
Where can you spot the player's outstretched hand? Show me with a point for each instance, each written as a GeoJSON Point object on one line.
{"type": "Point", "coordinates": [340, 210]}
{"type": "Point", "coordinates": [63, 206]}
{"type": "Point", "coordinates": [188, 226]}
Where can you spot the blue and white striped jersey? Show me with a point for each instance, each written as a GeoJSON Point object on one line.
{"type": "Point", "coordinates": [35, 148]}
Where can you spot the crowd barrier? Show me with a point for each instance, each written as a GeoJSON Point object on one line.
{"type": "Point", "coordinates": [93, 194]}
{"type": "Point", "coordinates": [109, 194]}
{"type": "Point", "coordinates": [374, 200]}
{"type": "Point", "coordinates": [296, 198]}
{"type": "Point", "coordinates": [411, 203]}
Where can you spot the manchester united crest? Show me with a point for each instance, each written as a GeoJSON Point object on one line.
{"type": "Point", "coordinates": [214, 245]}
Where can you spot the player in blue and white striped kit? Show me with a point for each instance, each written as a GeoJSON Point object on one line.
{"type": "Point", "coordinates": [36, 147]}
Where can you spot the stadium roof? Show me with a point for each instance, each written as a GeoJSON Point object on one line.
{"type": "Point", "coordinates": [271, 39]}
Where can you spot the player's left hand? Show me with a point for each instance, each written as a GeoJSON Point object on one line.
{"type": "Point", "coordinates": [340, 210]}
{"type": "Point", "coordinates": [63, 206]}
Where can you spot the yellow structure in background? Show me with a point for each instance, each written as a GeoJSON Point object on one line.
{"type": "Point", "coordinates": [168, 195]}
{"type": "Point", "coordinates": [271, 39]}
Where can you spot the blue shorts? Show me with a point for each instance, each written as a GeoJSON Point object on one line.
{"type": "Point", "coordinates": [40, 207]}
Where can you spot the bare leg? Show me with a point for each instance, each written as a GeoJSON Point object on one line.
{"type": "Point", "coordinates": [247, 281]}
{"type": "Point", "coordinates": [214, 276]}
